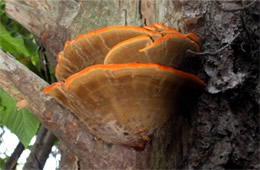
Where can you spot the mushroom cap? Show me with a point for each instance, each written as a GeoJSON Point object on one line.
{"type": "Point", "coordinates": [124, 103]}
{"type": "Point", "coordinates": [160, 28]}
{"type": "Point", "coordinates": [108, 78]}
{"type": "Point", "coordinates": [193, 37]}
{"type": "Point", "coordinates": [128, 51]}
{"type": "Point", "coordinates": [168, 50]}
{"type": "Point", "coordinates": [91, 48]}
{"type": "Point", "coordinates": [164, 30]}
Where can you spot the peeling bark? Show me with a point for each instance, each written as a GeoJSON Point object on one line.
{"type": "Point", "coordinates": [221, 132]}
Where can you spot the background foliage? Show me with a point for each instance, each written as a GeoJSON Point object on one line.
{"type": "Point", "coordinates": [20, 43]}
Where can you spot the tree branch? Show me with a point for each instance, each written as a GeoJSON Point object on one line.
{"type": "Point", "coordinates": [45, 139]}
{"type": "Point", "coordinates": [40, 150]}
{"type": "Point", "coordinates": [12, 161]}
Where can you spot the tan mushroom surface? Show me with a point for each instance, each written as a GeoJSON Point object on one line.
{"type": "Point", "coordinates": [123, 103]}
{"type": "Point", "coordinates": [130, 49]}
{"type": "Point", "coordinates": [168, 50]}
{"type": "Point", "coordinates": [91, 48]}
{"type": "Point", "coordinates": [120, 81]}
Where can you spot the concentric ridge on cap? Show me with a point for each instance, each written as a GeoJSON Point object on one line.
{"type": "Point", "coordinates": [133, 65]}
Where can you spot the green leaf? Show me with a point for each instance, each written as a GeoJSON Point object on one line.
{"type": "Point", "coordinates": [20, 122]}
{"type": "Point", "coordinates": [14, 45]}
{"type": "Point", "coordinates": [30, 46]}
{"type": "Point", "coordinates": [2, 8]}
{"type": "Point", "coordinates": [2, 162]}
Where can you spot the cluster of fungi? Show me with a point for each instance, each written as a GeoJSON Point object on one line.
{"type": "Point", "coordinates": [121, 81]}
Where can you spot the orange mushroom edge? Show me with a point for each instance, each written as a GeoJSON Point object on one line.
{"type": "Point", "coordinates": [59, 56]}
{"type": "Point", "coordinates": [168, 30]}
{"type": "Point", "coordinates": [149, 27]}
{"type": "Point", "coordinates": [52, 86]}
{"type": "Point", "coordinates": [104, 29]}
{"type": "Point", "coordinates": [158, 25]}
{"type": "Point", "coordinates": [67, 43]}
{"type": "Point", "coordinates": [119, 45]}
{"type": "Point", "coordinates": [134, 65]}
{"type": "Point", "coordinates": [168, 36]}
{"type": "Point", "coordinates": [193, 37]}
{"type": "Point", "coordinates": [164, 27]}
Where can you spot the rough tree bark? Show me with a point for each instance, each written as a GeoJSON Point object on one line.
{"type": "Point", "coordinates": [221, 132]}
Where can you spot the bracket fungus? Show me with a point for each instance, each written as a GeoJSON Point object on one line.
{"type": "Point", "coordinates": [120, 81]}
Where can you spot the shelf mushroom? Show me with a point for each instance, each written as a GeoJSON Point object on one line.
{"type": "Point", "coordinates": [125, 101]}
{"type": "Point", "coordinates": [91, 48]}
{"type": "Point", "coordinates": [168, 50]}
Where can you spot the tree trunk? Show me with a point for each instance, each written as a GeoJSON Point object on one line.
{"type": "Point", "coordinates": [222, 131]}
